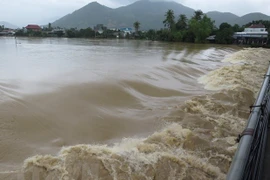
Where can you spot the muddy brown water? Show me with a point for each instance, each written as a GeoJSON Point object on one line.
{"type": "Point", "coordinates": [120, 109]}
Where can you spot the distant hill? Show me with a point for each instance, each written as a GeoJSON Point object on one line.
{"type": "Point", "coordinates": [232, 19]}
{"type": "Point", "coordinates": [220, 17]}
{"type": "Point", "coordinates": [252, 17]}
{"type": "Point", "coordinates": [149, 13]}
{"type": "Point", "coordinates": [8, 25]}
{"type": "Point", "coordinates": [88, 16]}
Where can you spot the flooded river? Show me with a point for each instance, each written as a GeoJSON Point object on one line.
{"type": "Point", "coordinates": [123, 109]}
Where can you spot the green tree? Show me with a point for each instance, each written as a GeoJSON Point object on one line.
{"type": "Point", "coordinates": [169, 20]}
{"type": "Point", "coordinates": [20, 32]}
{"type": "Point", "coordinates": [189, 36]}
{"type": "Point", "coordinates": [225, 34]}
{"type": "Point", "coordinates": [59, 33]}
{"type": "Point", "coordinates": [151, 34]}
{"type": "Point", "coordinates": [127, 36]}
{"type": "Point", "coordinates": [164, 35]}
{"type": "Point", "coordinates": [71, 33]}
{"type": "Point", "coordinates": [224, 26]}
{"type": "Point", "coordinates": [136, 26]}
{"type": "Point", "coordinates": [198, 15]}
{"type": "Point", "coordinates": [36, 34]}
{"type": "Point", "coordinates": [201, 27]}
{"type": "Point", "coordinates": [237, 28]}
{"type": "Point", "coordinates": [2, 27]}
{"type": "Point", "coordinates": [49, 26]}
{"type": "Point", "coordinates": [182, 22]}
{"type": "Point", "coordinates": [86, 33]}
{"type": "Point", "coordinates": [178, 35]}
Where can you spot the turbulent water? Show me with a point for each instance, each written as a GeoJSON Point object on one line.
{"type": "Point", "coordinates": [116, 109]}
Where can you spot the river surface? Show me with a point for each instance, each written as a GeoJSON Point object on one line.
{"type": "Point", "coordinates": [123, 109]}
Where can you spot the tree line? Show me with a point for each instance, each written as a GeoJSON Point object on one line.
{"type": "Point", "coordinates": [197, 29]}
{"type": "Point", "coordinates": [176, 29]}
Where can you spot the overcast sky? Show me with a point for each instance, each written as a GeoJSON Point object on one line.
{"type": "Point", "coordinates": [23, 12]}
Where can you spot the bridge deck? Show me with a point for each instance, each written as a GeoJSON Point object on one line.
{"type": "Point", "coordinates": [252, 158]}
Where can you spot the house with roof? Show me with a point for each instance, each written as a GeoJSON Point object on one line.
{"type": "Point", "coordinates": [254, 34]}
{"type": "Point", "coordinates": [256, 28]}
{"type": "Point", "coordinates": [33, 27]}
{"type": "Point", "coordinates": [7, 32]}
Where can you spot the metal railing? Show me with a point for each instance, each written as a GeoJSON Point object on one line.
{"type": "Point", "coordinates": [247, 163]}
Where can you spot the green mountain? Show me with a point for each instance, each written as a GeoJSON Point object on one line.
{"type": "Point", "coordinates": [88, 16]}
{"type": "Point", "coordinates": [149, 13]}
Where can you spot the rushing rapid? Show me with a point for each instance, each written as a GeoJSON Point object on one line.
{"type": "Point", "coordinates": [118, 109]}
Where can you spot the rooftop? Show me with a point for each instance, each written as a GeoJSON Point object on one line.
{"type": "Point", "coordinates": [257, 26]}
{"type": "Point", "coordinates": [32, 26]}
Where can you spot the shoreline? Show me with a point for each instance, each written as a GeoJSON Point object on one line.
{"type": "Point", "coordinates": [172, 42]}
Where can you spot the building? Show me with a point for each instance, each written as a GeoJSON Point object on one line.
{"type": "Point", "coordinates": [254, 34]}
{"type": "Point", "coordinates": [211, 39]}
{"type": "Point", "coordinates": [57, 32]}
{"type": "Point", "coordinates": [7, 32]}
{"type": "Point", "coordinates": [256, 28]}
{"type": "Point", "coordinates": [126, 31]}
{"type": "Point", "coordinates": [33, 27]}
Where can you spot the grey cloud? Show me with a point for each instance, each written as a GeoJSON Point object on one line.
{"type": "Point", "coordinates": [22, 12]}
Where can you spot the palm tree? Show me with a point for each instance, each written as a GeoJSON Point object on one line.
{"type": "Point", "coordinates": [2, 27]}
{"type": "Point", "coordinates": [169, 21]}
{"type": "Point", "coordinates": [50, 26]}
{"type": "Point", "coordinates": [136, 26]}
{"type": "Point", "coordinates": [198, 15]}
{"type": "Point", "coordinates": [182, 22]}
